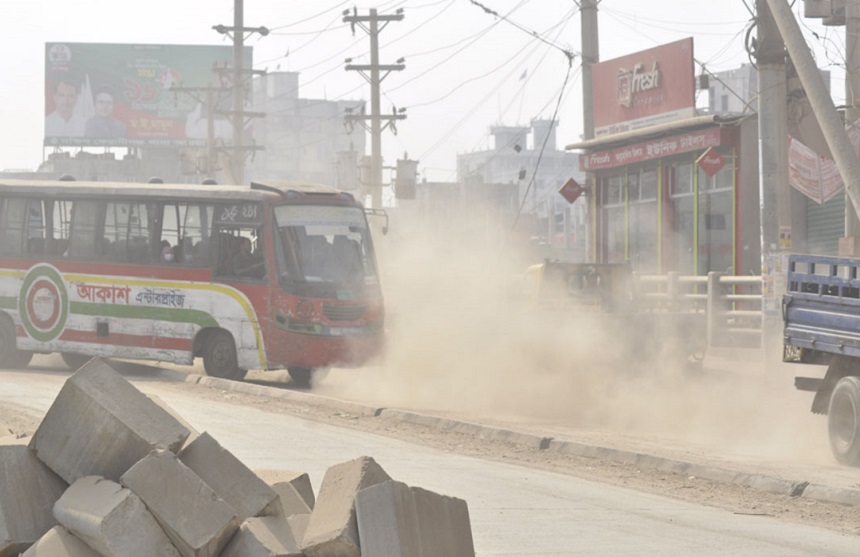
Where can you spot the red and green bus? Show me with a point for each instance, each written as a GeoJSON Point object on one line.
{"type": "Point", "coordinates": [267, 276]}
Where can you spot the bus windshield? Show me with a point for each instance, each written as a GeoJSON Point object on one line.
{"type": "Point", "coordinates": [324, 245]}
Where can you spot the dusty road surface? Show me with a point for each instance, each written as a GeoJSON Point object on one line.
{"type": "Point", "coordinates": [517, 509]}
{"type": "Point", "coordinates": [740, 500]}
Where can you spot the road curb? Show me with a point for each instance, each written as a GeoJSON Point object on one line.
{"type": "Point", "coordinates": [346, 407]}
{"type": "Point", "coordinates": [777, 486]}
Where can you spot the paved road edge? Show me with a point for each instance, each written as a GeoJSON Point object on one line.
{"type": "Point", "coordinates": [778, 486]}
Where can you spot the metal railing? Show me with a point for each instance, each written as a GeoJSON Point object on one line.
{"type": "Point", "coordinates": [730, 304]}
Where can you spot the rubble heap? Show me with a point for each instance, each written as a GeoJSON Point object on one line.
{"type": "Point", "coordinates": [111, 472]}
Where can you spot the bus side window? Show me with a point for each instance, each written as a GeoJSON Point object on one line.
{"type": "Point", "coordinates": [36, 228]}
{"type": "Point", "coordinates": [12, 221]}
{"type": "Point", "coordinates": [82, 235]}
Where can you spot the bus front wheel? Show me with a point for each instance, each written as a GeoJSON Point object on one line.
{"type": "Point", "coordinates": [843, 421]}
{"type": "Point", "coordinates": [219, 357]}
{"type": "Point", "coordinates": [10, 356]}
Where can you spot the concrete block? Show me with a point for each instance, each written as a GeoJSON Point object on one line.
{"type": "Point", "coordinates": [100, 425]}
{"type": "Point", "coordinates": [395, 520]}
{"type": "Point", "coordinates": [332, 530]}
{"type": "Point", "coordinates": [229, 478]}
{"type": "Point", "coordinates": [268, 536]}
{"type": "Point", "coordinates": [193, 433]}
{"type": "Point", "coordinates": [111, 519]}
{"type": "Point", "coordinates": [197, 521]}
{"type": "Point", "coordinates": [59, 542]}
{"type": "Point", "coordinates": [299, 525]}
{"type": "Point", "coordinates": [28, 491]}
{"type": "Point", "coordinates": [293, 488]}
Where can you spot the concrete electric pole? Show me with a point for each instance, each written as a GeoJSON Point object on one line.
{"type": "Point", "coordinates": [373, 74]}
{"type": "Point", "coordinates": [819, 98]}
{"type": "Point", "coordinates": [590, 56]}
{"type": "Point", "coordinates": [238, 114]}
{"type": "Point", "coordinates": [775, 207]}
{"type": "Point", "coordinates": [850, 245]}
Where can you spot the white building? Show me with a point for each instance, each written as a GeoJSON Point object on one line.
{"type": "Point", "coordinates": [304, 139]}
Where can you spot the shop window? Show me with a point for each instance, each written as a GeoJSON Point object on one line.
{"type": "Point", "coordinates": [633, 186]}
{"type": "Point", "coordinates": [613, 191]}
{"type": "Point", "coordinates": [681, 222]}
{"type": "Point", "coordinates": [648, 185]}
{"type": "Point", "coordinates": [715, 232]}
{"type": "Point", "coordinates": [682, 180]}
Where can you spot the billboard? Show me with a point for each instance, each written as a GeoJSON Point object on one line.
{"type": "Point", "coordinates": [650, 87]}
{"type": "Point", "coordinates": [126, 95]}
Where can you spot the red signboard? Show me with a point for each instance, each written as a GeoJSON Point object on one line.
{"type": "Point", "coordinates": [711, 161]}
{"type": "Point", "coordinates": [644, 89]}
{"type": "Point", "coordinates": [652, 149]}
{"type": "Point", "coordinates": [571, 190]}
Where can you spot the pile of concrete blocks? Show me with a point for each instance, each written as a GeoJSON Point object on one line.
{"type": "Point", "coordinates": [111, 472]}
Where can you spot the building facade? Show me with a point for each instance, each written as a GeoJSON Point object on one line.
{"type": "Point", "coordinates": [304, 139]}
{"type": "Point", "coordinates": [517, 180]}
{"type": "Point", "coordinates": [671, 189]}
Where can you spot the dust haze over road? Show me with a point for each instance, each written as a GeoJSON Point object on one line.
{"type": "Point", "coordinates": [460, 342]}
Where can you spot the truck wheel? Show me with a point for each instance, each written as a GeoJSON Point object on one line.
{"type": "Point", "coordinates": [219, 357]}
{"type": "Point", "coordinates": [843, 421]}
{"type": "Point", "coordinates": [10, 356]}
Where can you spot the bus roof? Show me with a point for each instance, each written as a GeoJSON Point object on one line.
{"type": "Point", "coordinates": [256, 191]}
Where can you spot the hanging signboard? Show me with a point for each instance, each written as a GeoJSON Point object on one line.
{"type": "Point", "coordinates": [711, 161]}
{"type": "Point", "coordinates": [571, 190]}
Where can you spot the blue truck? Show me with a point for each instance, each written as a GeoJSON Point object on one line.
{"type": "Point", "coordinates": [821, 325]}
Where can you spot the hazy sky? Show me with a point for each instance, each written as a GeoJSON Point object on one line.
{"type": "Point", "coordinates": [464, 67]}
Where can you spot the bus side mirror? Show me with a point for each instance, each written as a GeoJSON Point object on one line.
{"type": "Point", "coordinates": [379, 213]}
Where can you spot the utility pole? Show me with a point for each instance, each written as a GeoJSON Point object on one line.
{"type": "Point", "coordinates": [371, 25]}
{"type": "Point", "coordinates": [850, 245]}
{"type": "Point", "coordinates": [238, 113]}
{"type": "Point", "coordinates": [209, 103]}
{"type": "Point", "coordinates": [774, 203]}
{"type": "Point", "coordinates": [831, 124]}
{"type": "Point", "coordinates": [590, 56]}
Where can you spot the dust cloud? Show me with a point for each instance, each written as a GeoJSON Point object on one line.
{"type": "Point", "coordinates": [462, 340]}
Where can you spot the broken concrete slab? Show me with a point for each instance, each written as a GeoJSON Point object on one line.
{"type": "Point", "coordinates": [193, 433]}
{"type": "Point", "coordinates": [100, 425]}
{"type": "Point", "coordinates": [111, 519]}
{"type": "Point", "coordinates": [28, 491]}
{"type": "Point", "coordinates": [299, 525]}
{"type": "Point", "coordinates": [332, 530]}
{"type": "Point", "coordinates": [268, 536]}
{"type": "Point", "coordinates": [59, 542]}
{"type": "Point", "coordinates": [293, 488]}
{"type": "Point", "coordinates": [229, 478]}
{"type": "Point", "coordinates": [197, 521]}
{"type": "Point", "coordinates": [396, 520]}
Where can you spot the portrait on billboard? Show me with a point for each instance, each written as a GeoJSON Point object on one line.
{"type": "Point", "coordinates": [129, 95]}
{"type": "Point", "coordinates": [64, 118]}
{"type": "Point", "coordinates": [102, 124]}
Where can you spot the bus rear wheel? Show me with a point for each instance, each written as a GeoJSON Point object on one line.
{"type": "Point", "coordinates": [10, 356]}
{"type": "Point", "coordinates": [219, 357]}
{"type": "Point", "coordinates": [843, 421]}
{"type": "Point", "coordinates": [74, 360]}
{"type": "Point", "coordinates": [303, 376]}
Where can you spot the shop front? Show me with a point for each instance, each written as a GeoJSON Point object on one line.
{"type": "Point", "coordinates": [681, 197]}
{"type": "Point", "coordinates": [670, 189]}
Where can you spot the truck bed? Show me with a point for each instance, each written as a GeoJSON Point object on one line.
{"type": "Point", "coordinates": [821, 307]}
